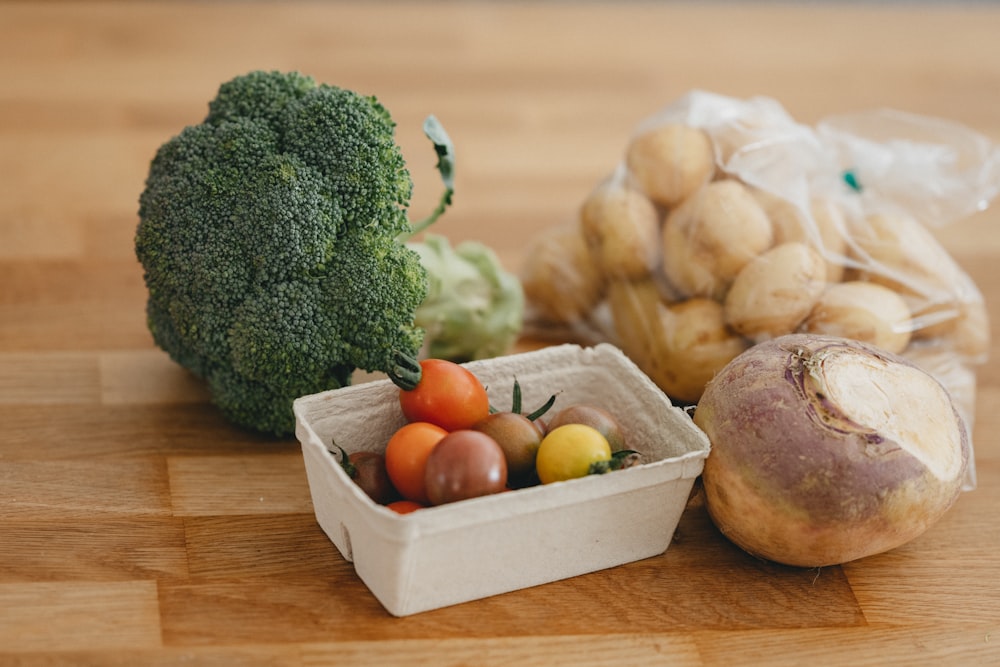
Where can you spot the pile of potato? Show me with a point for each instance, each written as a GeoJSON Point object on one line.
{"type": "Point", "coordinates": [685, 265]}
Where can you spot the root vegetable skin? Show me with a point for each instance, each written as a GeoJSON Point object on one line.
{"type": "Point", "coordinates": [826, 450]}
{"type": "Point", "coordinates": [824, 229]}
{"type": "Point", "coordinates": [621, 228]}
{"type": "Point", "coordinates": [671, 162]}
{"type": "Point", "coordinates": [696, 344]}
{"type": "Point", "coordinates": [638, 314]}
{"type": "Point", "coordinates": [863, 311]}
{"type": "Point", "coordinates": [902, 254]}
{"type": "Point", "coordinates": [775, 291]}
{"type": "Point", "coordinates": [680, 346]}
{"type": "Point", "coordinates": [710, 237]}
{"type": "Point", "coordinates": [559, 278]}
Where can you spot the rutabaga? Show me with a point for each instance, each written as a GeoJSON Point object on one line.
{"type": "Point", "coordinates": [826, 450]}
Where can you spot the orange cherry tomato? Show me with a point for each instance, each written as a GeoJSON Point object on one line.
{"type": "Point", "coordinates": [404, 506]}
{"type": "Point", "coordinates": [448, 395]}
{"type": "Point", "coordinates": [406, 458]}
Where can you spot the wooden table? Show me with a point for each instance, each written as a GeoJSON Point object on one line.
{"type": "Point", "coordinates": [139, 528]}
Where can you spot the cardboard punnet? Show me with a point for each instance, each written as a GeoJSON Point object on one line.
{"type": "Point", "coordinates": [476, 548]}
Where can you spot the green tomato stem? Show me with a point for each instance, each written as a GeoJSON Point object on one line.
{"type": "Point", "coordinates": [345, 461]}
{"type": "Point", "coordinates": [543, 409]}
{"type": "Point", "coordinates": [405, 372]}
{"type": "Point", "coordinates": [515, 403]}
{"type": "Point", "coordinates": [619, 460]}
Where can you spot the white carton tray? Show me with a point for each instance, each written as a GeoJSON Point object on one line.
{"type": "Point", "coordinates": [476, 548]}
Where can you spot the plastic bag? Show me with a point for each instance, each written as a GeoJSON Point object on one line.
{"type": "Point", "coordinates": [727, 223]}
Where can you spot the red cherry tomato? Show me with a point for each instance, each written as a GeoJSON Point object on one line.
{"type": "Point", "coordinates": [465, 464]}
{"type": "Point", "coordinates": [448, 395]}
{"type": "Point", "coordinates": [406, 458]}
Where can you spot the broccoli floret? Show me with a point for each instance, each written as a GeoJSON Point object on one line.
{"type": "Point", "coordinates": [272, 241]}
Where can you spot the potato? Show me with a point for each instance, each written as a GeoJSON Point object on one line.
{"type": "Point", "coordinates": [826, 450]}
{"type": "Point", "coordinates": [679, 346]}
{"type": "Point", "coordinates": [775, 292]}
{"type": "Point", "coordinates": [899, 252]}
{"type": "Point", "coordinates": [709, 238]}
{"type": "Point", "coordinates": [670, 162]}
{"type": "Point", "coordinates": [622, 228]}
{"type": "Point", "coordinates": [970, 336]}
{"type": "Point", "coordinates": [823, 229]}
{"type": "Point", "coordinates": [966, 331]}
{"type": "Point", "coordinates": [863, 311]}
{"type": "Point", "coordinates": [558, 276]}
{"type": "Point", "coordinates": [688, 274]}
{"type": "Point", "coordinates": [697, 345]}
{"type": "Point", "coordinates": [636, 310]}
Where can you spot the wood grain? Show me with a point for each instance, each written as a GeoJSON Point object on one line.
{"type": "Point", "coordinates": [137, 527]}
{"type": "Point", "coordinates": [103, 615]}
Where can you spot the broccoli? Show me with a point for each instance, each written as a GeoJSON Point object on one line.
{"type": "Point", "coordinates": [272, 239]}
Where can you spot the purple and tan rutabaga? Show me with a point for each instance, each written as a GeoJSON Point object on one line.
{"type": "Point", "coordinates": [826, 450]}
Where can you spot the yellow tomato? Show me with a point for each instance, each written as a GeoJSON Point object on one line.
{"type": "Point", "coordinates": [567, 452]}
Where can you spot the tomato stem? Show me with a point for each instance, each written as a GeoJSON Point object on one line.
{"type": "Point", "coordinates": [625, 458]}
{"type": "Point", "coordinates": [406, 371]}
{"type": "Point", "coordinates": [345, 461]}
{"type": "Point", "coordinates": [543, 409]}
{"type": "Point", "coordinates": [516, 404]}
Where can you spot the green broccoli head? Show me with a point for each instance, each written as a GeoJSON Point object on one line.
{"type": "Point", "coordinates": [270, 237]}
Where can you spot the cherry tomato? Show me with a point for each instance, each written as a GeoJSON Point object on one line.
{"type": "Point", "coordinates": [568, 451]}
{"type": "Point", "coordinates": [591, 415]}
{"type": "Point", "coordinates": [368, 472]}
{"type": "Point", "coordinates": [405, 506]}
{"type": "Point", "coordinates": [518, 437]}
{"type": "Point", "coordinates": [406, 458]}
{"type": "Point", "coordinates": [465, 464]}
{"type": "Point", "coordinates": [448, 395]}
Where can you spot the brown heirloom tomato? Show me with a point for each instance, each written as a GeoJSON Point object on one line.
{"type": "Point", "coordinates": [595, 417]}
{"type": "Point", "coordinates": [368, 472]}
{"type": "Point", "coordinates": [464, 464]}
{"type": "Point", "coordinates": [518, 437]}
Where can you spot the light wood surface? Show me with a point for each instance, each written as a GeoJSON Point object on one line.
{"type": "Point", "coordinates": [138, 528]}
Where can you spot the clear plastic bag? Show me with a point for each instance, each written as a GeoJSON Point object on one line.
{"type": "Point", "coordinates": [727, 223]}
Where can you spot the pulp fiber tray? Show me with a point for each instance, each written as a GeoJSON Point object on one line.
{"type": "Point", "coordinates": [476, 548]}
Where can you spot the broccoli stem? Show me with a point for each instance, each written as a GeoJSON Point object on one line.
{"type": "Point", "coordinates": [406, 371]}
{"type": "Point", "coordinates": [445, 166]}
